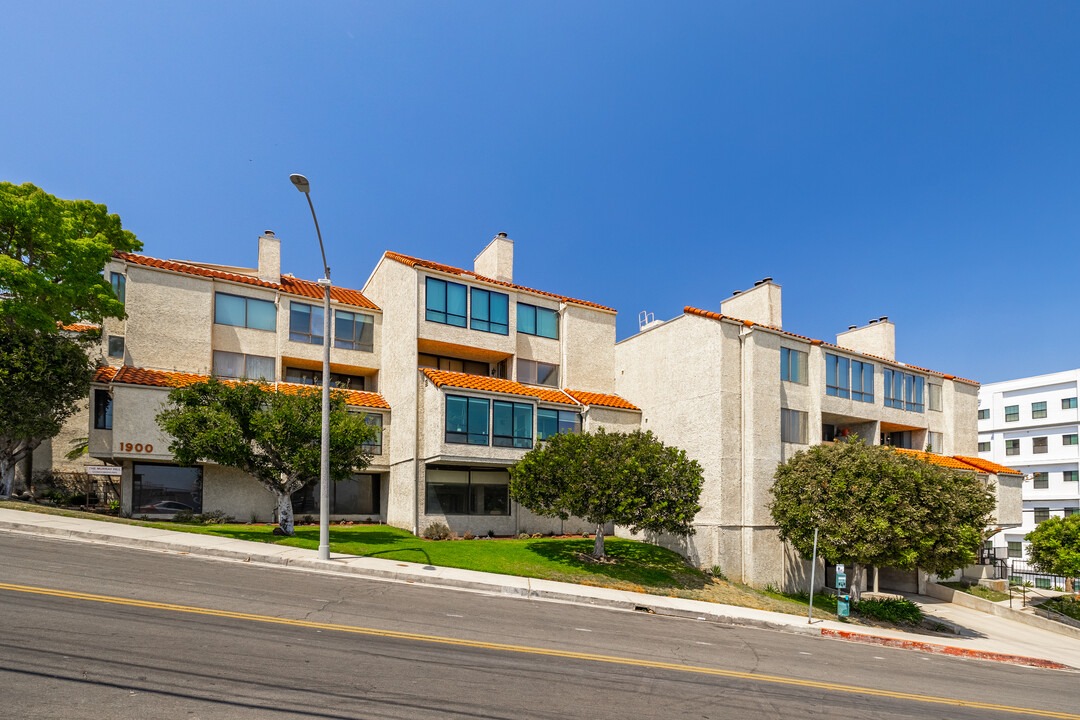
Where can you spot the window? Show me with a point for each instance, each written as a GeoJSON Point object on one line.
{"type": "Point", "coordinates": [533, 320]}
{"type": "Point", "coordinates": [984, 446]}
{"type": "Point", "coordinates": [904, 391]}
{"type": "Point", "coordinates": [446, 302]}
{"type": "Point", "coordinates": [1072, 511]}
{"type": "Point", "coordinates": [306, 323]}
{"type": "Point", "coordinates": [1041, 480]}
{"type": "Point", "coordinates": [452, 364]}
{"type": "Point", "coordinates": [158, 490]}
{"type": "Point", "coordinates": [862, 381]}
{"type": "Point", "coordinates": [248, 367]}
{"type": "Point", "coordinates": [1038, 410]}
{"type": "Point", "coordinates": [837, 376]}
{"type": "Point", "coordinates": [490, 312]}
{"type": "Point", "coordinates": [466, 420]}
{"type": "Point", "coordinates": [793, 365]}
{"type": "Point", "coordinates": [1068, 403]}
{"type": "Point", "coordinates": [116, 346]}
{"type": "Point", "coordinates": [1012, 447]}
{"type": "Point", "coordinates": [356, 495]}
{"type": "Point", "coordinates": [244, 312]}
{"type": "Point", "coordinates": [1016, 549]}
{"type": "Point", "coordinates": [793, 426]}
{"type": "Point", "coordinates": [1041, 514]}
{"type": "Point", "coordinates": [935, 397]}
{"type": "Point", "coordinates": [1038, 445]}
{"type": "Point", "coordinates": [1069, 439]}
{"type": "Point", "coordinates": [1012, 413]}
{"type": "Point", "coordinates": [119, 285]}
{"type": "Point", "coordinates": [463, 491]}
{"type": "Point", "coordinates": [936, 442]}
{"type": "Point", "coordinates": [303, 376]}
{"type": "Point", "coordinates": [552, 422]}
{"type": "Point", "coordinates": [511, 424]}
{"type": "Point", "coordinates": [375, 420]}
{"type": "Point", "coordinates": [102, 410]}
{"type": "Point", "coordinates": [537, 373]}
{"type": "Point", "coordinates": [1043, 583]}
{"type": "Point", "coordinates": [1070, 475]}
{"type": "Point", "coordinates": [354, 331]}
{"type": "Point", "coordinates": [984, 414]}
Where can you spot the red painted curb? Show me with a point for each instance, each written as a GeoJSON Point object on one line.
{"type": "Point", "coordinates": [942, 649]}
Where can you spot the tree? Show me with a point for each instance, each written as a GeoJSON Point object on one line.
{"type": "Point", "coordinates": [274, 436]}
{"type": "Point", "coordinates": [52, 252]}
{"type": "Point", "coordinates": [630, 479]}
{"type": "Point", "coordinates": [42, 378]}
{"type": "Point", "coordinates": [875, 506]}
{"type": "Point", "coordinates": [1055, 546]}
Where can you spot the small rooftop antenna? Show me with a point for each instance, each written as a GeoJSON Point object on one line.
{"type": "Point", "coordinates": [644, 319]}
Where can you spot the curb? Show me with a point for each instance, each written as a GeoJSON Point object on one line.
{"type": "Point", "coordinates": [935, 649]}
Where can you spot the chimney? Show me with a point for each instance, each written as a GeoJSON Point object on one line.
{"type": "Point", "coordinates": [497, 259]}
{"type": "Point", "coordinates": [760, 304]}
{"type": "Point", "coordinates": [269, 257]}
{"type": "Point", "coordinates": [876, 338]}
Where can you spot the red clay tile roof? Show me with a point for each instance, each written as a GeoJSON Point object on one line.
{"type": "Point", "coordinates": [428, 265]}
{"type": "Point", "coordinates": [128, 375]}
{"type": "Point", "coordinates": [688, 310]}
{"type": "Point", "coordinates": [961, 462]}
{"type": "Point", "coordinates": [482, 382]}
{"type": "Point", "coordinates": [79, 327]}
{"type": "Point", "coordinates": [987, 466]}
{"type": "Point", "coordinates": [289, 285]}
{"type": "Point", "coordinates": [600, 399]}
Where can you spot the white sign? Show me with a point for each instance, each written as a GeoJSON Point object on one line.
{"type": "Point", "coordinates": [839, 568]}
{"type": "Point", "coordinates": [104, 470]}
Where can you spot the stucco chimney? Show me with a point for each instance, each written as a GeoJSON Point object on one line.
{"type": "Point", "coordinates": [760, 304]}
{"type": "Point", "coordinates": [269, 257]}
{"type": "Point", "coordinates": [877, 338]}
{"type": "Point", "coordinates": [497, 259]}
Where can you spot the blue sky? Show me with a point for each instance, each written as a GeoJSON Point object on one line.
{"type": "Point", "coordinates": [919, 160]}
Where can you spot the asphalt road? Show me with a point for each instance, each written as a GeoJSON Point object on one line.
{"type": "Point", "coordinates": [173, 636]}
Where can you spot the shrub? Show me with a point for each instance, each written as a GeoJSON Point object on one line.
{"type": "Point", "coordinates": [717, 573]}
{"type": "Point", "coordinates": [898, 612]}
{"type": "Point", "coordinates": [524, 536]}
{"type": "Point", "coordinates": [184, 516]}
{"type": "Point", "coordinates": [215, 517]}
{"type": "Point", "coordinates": [467, 536]}
{"type": "Point", "coordinates": [437, 531]}
{"type": "Point", "coordinates": [307, 520]}
{"type": "Point", "coordinates": [491, 533]}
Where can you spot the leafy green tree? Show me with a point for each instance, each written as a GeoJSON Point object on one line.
{"type": "Point", "coordinates": [52, 252]}
{"type": "Point", "coordinates": [1055, 546]}
{"type": "Point", "coordinates": [43, 376]}
{"type": "Point", "coordinates": [875, 506]}
{"type": "Point", "coordinates": [629, 479]}
{"type": "Point", "coordinates": [273, 436]}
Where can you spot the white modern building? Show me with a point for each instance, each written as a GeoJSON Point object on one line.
{"type": "Point", "coordinates": [1032, 424]}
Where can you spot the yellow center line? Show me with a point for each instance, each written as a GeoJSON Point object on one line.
{"type": "Point", "coordinates": [774, 679]}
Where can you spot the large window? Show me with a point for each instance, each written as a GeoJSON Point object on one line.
{"type": "Point", "coordinates": [904, 391]}
{"type": "Point", "coordinates": [1012, 413]}
{"type": "Point", "coordinates": [1068, 403]}
{"type": "Point", "coordinates": [537, 373]}
{"type": "Point", "coordinates": [102, 410]}
{"type": "Point", "coordinates": [375, 420]}
{"type": "Point", "coordinates": [862, 381]}
{"type": "Point", "coordinates": [1069, 439]}
{"type": "Point", "coordinates": [533, 320]}
{"type": "Point", "coordinates": [511, 424]}
{"type": "Point", "coordinates": [837, 376]}
{"type": "Point", "coordinates": [306, 323]}
{"type": "Point", "coordinates": [466, 420]}
{"type": "Point", "coordinates": [244, 367]}
{"type": "Point", "coordinates": [984, 414]}
{"type": "Point", "coordinates": [792, 365]}
{"type": "Point", "coordinates": [1038, 445]}
{"type": "Point", "coordinates": [551, 422]}
{"type": "Point", "coordinates": [1041, 514]}
{"type": "Point", "coordinates": [935, 397]}
{"type": "Point", "coordinates": [446, 302]}
{"type": "Point", "coordinates": [490, 312]}
{"type": "Point", "coordinates": [466, 491]}
{"type": "Point", "coordinates": [165, 489]}
{"type": "Point", "coordinates": [1012, 447]}
{"type": "Point", "coordinates": [358, 495]}
{"type": "Point", "coordinates": [119, 285]}
{"type": "Point", "coordinates": [793, 426]}
{"type": "Point", "coordinates": [452, 364]}
{"type": "Point", "coordinates": [1041, 480]}
{"type": "Point", "coordinates": [1038, 410]}
{"type": "Point", "coordinates": [244, 312]}
{"type": "Point", "coordinates": [984, 446]}
{"type": "Point", "coordinates": [354, 331]}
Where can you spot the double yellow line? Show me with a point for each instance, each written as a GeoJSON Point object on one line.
{"type": "Point", "coordinates": [676, 667]}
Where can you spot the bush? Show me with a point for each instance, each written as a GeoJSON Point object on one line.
{"type": "Point", "coordinates": [437, 531]}
{"type": "Point", "coordinates": [467, 536]}
{"type": "Point", "coordinates": [524, 536]}
{"type": "Point", "coordinates": [215, 517]}
{"type": "Point", "coordinates": [183, 516]}
{"type": "Point", "coordinates": [898, 612]}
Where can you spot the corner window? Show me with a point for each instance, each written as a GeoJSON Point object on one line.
{"type": "Point", "coordinates": [935, 397]}
{"type": "Point", "coordinates": [984, 414]}
{"type": "Point", "coordinates": [1012, 447]}
{"type": "Point", "coordinates": [1038, 445]}
{"type": "Point", "coordinates": [116, 346]}
{"type": "Point", "coordinates": [1038, 410]}
{"type": "Point", "coordinates": [1012, 413]}
{"type": "Point", "coordinates": [243, 367]}
{"type": "Point", "coordinates": [511, 424]}
{"type": "Point", "coordinates": [1070, 475]}
{"type": "Point", "coordinates": [552, 422]}
{"type": "Point", "coordinates": [1068, 403]}
{"type": "Point", "coordinates": [1041, 514]}
{"type": "Point", "coordinates": [119, 286]}
{"type": "Point", "coordinates": [792, 365]}
{"type": "Point", "coordinates": [837, 376]}
{"type": "Point", "coordinates": [793, 426]}
{"type": "Point", "coordinates": [537, 373]}
{"type": "Point", "coordinates": [466, 420]}
{"type": "Point", "coordinates": [102, 410]}
{"type": "Point", "coordinates": [1069, 439]}
{"type": "Point", "coordinates": [984, 446]}
{"type": "Point", "coordinates": [533, 320]}
{"type": "Point", "coordinates": [354, 331]}
{"type": "Point", "coordinates": [490, 312]}
{"type": "Point", "coordinates": [375, 420]}
{"type": "Point", "coordinates": [1041, 480]}
{"type": "Point", "coordinates": [246, 312]}
{"type": "Point", "coordinates": [446, 302]}
{"type": "Point", "coordinates": [306, 323]}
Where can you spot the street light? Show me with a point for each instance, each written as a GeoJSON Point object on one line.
{"type": "Point", "coordinates": [304, 186]}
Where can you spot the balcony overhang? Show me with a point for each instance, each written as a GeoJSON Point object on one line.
{"type": "Point", "coordinates": [308, 364]}
{"type": "Point", "coordinates": [462, 352]}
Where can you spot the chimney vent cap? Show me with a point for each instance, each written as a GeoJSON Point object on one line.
{"type": "Point", "coordinates": [872, 321]}
{"type": "Point", "coordinates": [737, 292]}
{"type": "Point", "coordinates": [502, 234]}
{"type": "Point", "coordinates": [883, 318]}
{"type": "Point", "coordinates": [852, 327]}
{"type": "Point", "coordinates": [268, 233]}
{"type": "Point", "coordinates": [766, 280]}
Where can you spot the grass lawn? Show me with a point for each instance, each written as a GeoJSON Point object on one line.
{"type": "Point", "coordinates": [978, 591]}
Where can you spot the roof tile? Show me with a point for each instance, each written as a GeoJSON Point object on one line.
{"type": "Point", "coordinates": [600, 399]}
{"type": "Point", "coordinates": [482, 382]}
{"type": "Point", "coordinates": [961, 462]}
{"type": "Point", "coordinates": [987, 466]}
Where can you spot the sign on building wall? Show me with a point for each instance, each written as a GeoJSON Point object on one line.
{"type": "Point", "coordinates": [104, 470]}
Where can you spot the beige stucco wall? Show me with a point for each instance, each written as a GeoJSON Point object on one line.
{"type": "Point", "coordinates": [169, 320]}
{"type": "Point", "coordinates": [588, 342]}
{"type": "Point", "coordinates": [611, 419]}
{"type": "Point", "coordinates": [1009, 506]}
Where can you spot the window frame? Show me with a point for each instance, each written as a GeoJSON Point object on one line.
{"type": "Point", "coordinates": [863, 369]}
{"type": "Point", "coordinates": [444, 292]}
{"type": "Point", "coordinates": [1012, 413]}
{"type": "Point", "coordinates": [310, 337]}
{"type": "Point", "coordinates": [119, 285]}
{"type": "Point", "coordinates": [1070, 475]}
{"type": "Point", "coordinates": [480, 301]}
{"type": "Point", "coordinates": [1015, 548]}
{"type": "Point", "coordinates": [116, 346]}
{"type": "Point", "coordinates": [244, 356]}
{"type": "Point", "coordinates": [1040, 445]}
{"type": "Point", "coordinates": [1038, 410]}
{"type": "Point", "coordinates": [801, 358]}
{"type": "Point", "coordinates": [247, 311]}
{"type": "Point", "coordinates": [471, 436]}
{"type": "Point", "coordinates": [1012, 446]}
{"type": "Point", "coordinates": [527, 312]}
{"type": "Point", "coordinates": [1040, 481]}
{"type": "Point", "coordinates": [559, 420]}
{"type": "Point", "coordinates": [1070, 439]}
{"type": "Point", "coordinates": [933, 400]}
{"type": "Point", "coordinates": [984, 414]}
{"type": "Point", "coordinates": [534, 379]}
{"type": "Point", "coordinates": [837, 375]}
{"type": "Point", "coordinates": [103, 409]}
{"type": "Point", "coordinates": [375, 420]}
{"type": "Point", "coordinates": [986, 448]}
{"type": "Point", "coordinates": [1068, 403]}
{"type": "Point", "coordinates": [519, 438]}
{"type": "Point", "coordinates": [1043, 512]}
{"type": "Point", "coordinates": [469, 495]}
{"type": "Point", "coordinates": [357, 342]}
{"type": "Point", "coordinates": [799, 430]}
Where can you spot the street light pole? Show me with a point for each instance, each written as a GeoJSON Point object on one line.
{"type": "Point", "coordinates": [303, 186]}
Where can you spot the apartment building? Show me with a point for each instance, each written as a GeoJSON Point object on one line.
{"type": "Point", "coordinates": [462, 370]}
{"type": "Point", "coordinates": [741, 394]}
{"type": "Point", "coordinates": [1032, 424]}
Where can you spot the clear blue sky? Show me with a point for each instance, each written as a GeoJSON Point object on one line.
{"type": "Point", "coordinates": [919, 160]}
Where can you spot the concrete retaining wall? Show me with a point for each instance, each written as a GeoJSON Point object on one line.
{"type": "Point", "coordinates": [976, 603]}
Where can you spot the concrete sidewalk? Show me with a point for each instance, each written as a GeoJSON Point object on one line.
{"type": "Point", "coordinates": [982, 636]}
